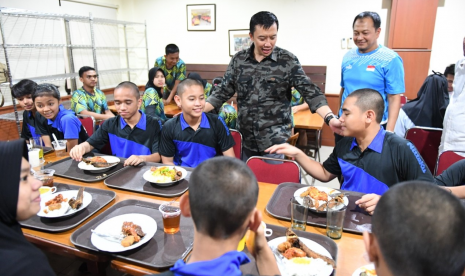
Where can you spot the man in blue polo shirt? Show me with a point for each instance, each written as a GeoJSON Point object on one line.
{"type": "Point", "coordinates": [131, 134]}
{"type": "Point", "coordinates": [374, 159]}
{"type": "Point", "coordinates": [373, 66]}
{"type": "Point", "coordinates": [194, 136]}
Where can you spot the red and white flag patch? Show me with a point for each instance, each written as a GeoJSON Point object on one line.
{"type": "Point", "coordinates": [371, 68]}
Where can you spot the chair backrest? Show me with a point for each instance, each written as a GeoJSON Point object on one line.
{"type": "Point", "coordinates": [88, 122]}
{"type": "Point", "coordinates": [286, 171]}
{"type": "Point", "coordinates": [446, 159]}
{"type": "Point", "coordinates": [403, 100]}
{"type": "Point", "coordinates": [293, 139]}
{"type": "Point", "coordinates": [426, 140]}
{"type": "Point", "coordinates": [237, 136]}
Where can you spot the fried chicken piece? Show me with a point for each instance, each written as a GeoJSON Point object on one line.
{"type": "Point", "coordinates": [282, 247]}
{"type": "Point", "coordinates": [131, 229]}
{"type": "Point", "coordinates": [294, 252]}
{"type": "Point", "coordinates": [128, 241]}
{"type": "Point", "coordinates": [314, 193]}
{"type": "Point", "coordinates": [54, 206]}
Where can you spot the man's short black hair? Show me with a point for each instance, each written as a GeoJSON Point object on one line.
{"type": "Point", "coordinates": [263, 18]}
{"type": "Point", "coordinates": [85, 69]}
{"type": "Point", "coordinates": [187, 83]}
{"type": "Point", "coordinates": [369, 99]}
{"type": "Point", "coordinates": [223, 191]}
{"type": "Point", "coordinates": [46, 89]}
{"type": "Point", "coordinates": [420, 230]}
{"type": "Point", "coordinates": [450, 70]}
{"type": "Point", "coordinates": [373, 15]}
{"type": "Point", "coordinates": [23, 88]}
{"type": "Point", "coordinates": [131, 86]}
{"type": "Point", "coordinates": [171, 49]}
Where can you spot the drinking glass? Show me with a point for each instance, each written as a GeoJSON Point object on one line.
{"type": "Point", "coordinates": [334, 220]}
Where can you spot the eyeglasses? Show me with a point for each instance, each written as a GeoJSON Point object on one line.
{"type": "Point", "coordinates": [92, 77]}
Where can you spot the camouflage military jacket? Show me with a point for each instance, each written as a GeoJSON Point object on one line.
{"type": "Point", "coordinates": [264, 95]}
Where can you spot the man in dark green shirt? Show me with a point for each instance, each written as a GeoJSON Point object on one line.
{"type": "Point", "coordinates": [262, 77]}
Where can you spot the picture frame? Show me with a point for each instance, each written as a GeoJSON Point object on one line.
{"type": "Point", "coordinates": [201, 17]}
{"type": "Point", "coordinates": [238, 40]}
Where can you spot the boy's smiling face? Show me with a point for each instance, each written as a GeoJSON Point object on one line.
{"type": "Point", "coordinates": [26, 102]}
{"type": "Point", "coordinates": [48, 106]}
{"type": "Point", "coordinates": [191, 101]}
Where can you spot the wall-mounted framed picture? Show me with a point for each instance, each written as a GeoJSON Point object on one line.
{"type": "Point", "coordinates": [238, 40]}
{"type": "Point", "coordinates": [201, 17]}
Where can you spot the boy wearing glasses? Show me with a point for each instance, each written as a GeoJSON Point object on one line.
{"type": "Point", "coordinates": [88, 100]}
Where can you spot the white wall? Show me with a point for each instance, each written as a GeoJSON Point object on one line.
{"type": "Point", "coordinates": [52, 6]}
{"type": "Point", "coordinates": [311, 29]}
{"type": "Point", "coordinates": [448, 36]}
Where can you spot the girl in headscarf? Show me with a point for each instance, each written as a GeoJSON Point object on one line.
{"type": "Point", "coordinates": [226, 111]}
{"type": "Point", "coordinates": [428, 109]}
{"type": "Point", "coordinates": [19, 200]}
{"type": "Point", "coordinates": [152, 101]}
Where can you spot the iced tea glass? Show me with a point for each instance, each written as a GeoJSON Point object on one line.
{"type": "Point", "coordinates": [171, 214]}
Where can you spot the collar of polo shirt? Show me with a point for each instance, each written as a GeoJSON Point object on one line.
{"type": "Point", "coordinates": [376, 144]}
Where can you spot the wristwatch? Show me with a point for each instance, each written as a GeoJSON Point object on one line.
{"type": "Point", "coordinates": [329, 118]}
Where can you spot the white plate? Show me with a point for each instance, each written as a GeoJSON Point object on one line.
{"type": "Point", "coordinates": [323, 189]}
{"type": "Point", "coordinates": [149, 177]}
{"type": "Point", "coordinates": [363, 269]}
{"type": "Point", "coordinates": [110, 159]}
{"type": "Point", "coordinates": [114, 225]}
{"type": "Point", "coordinates": [63, 212]}
{"type": "Point", "coordinates": [323, 270]}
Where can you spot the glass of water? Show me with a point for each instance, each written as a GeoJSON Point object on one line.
{"type": "Point", "coordinates": [299, 215]}
{"type": "Point", "coordinates": [335, 220]}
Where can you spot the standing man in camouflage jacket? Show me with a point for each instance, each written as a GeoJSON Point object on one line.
{"type": "Point", "coordinates": [263, 76]}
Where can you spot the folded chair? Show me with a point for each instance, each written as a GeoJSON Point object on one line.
{"type": "Point", "coordinates": [426, 140]}
{"type": "Point", "coordinates": [446, 159]}
{"type": "Point", "coordinates": [88, 122]}
{"type": "Point", "coordinates": [286, 171]}
{"type": "Point", "coordinates": [237, 136]}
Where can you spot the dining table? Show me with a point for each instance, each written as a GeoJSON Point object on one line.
{"type": "Point", "coordinates": [351, 249]}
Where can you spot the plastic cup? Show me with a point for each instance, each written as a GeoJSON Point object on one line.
{"type": "Point", "coordinates": [299, 215]}
{"type": "Point", "coordinates": [34, 159]}
{"type": "Point", "coordinates": [36, 143]}
{"type": "Point", "coordinates": [46, 176]}
{"type": "Point", "coordinates": [334, 220]}
{"type": "Point", "coordinates": [171, 214]}
{"type": "Point", "coordinates": [47, 190]}
{"type": "Point", "coordinates": [60, 148]}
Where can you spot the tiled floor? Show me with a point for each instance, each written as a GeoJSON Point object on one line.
{"type": "Point", "coordinates": [64, 266]}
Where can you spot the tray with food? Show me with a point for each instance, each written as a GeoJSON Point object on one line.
{"type": "Point", "coordinates": [94, 171]}
{"type": "Point", "coordinates": [356, 219]}
{"type": "Point", "coordinates": [302, 253]}
{"type": "Point", "coordinates": [67, 207]}
{"type": "Point", "coordinates": [142, 179]}
{"type": "Point", "coordinates": [132, 230]}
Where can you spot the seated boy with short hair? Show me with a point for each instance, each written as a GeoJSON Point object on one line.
{"type": "Point", "coordinates": [417, 229]}
{"type": "Point", "coordinates": [193, 136]}
{"type": "Point", "coordinates": [22, 91]}
{"type": "Point", "coordinates": [222, 218]}
{"type": "Point", "coordinates": [60, 121]}
{"type": "Point", "coordinates": [131, 134]}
